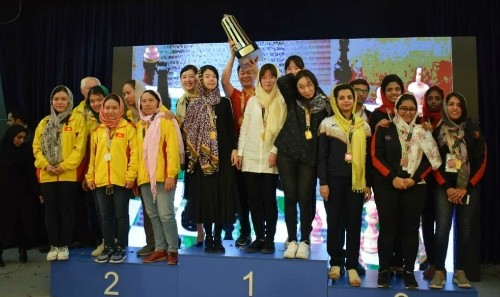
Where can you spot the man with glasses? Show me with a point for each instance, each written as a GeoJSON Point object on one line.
{"type": "Point", "coordinates": [362, 88]}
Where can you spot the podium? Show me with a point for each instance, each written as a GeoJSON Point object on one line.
{"type": "Point", "coordinates": [233, 274]}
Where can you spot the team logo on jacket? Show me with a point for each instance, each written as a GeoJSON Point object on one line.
{"type": "Point", "coordinates": [388, 137]}
{"type": "Point", "coordinates": [68, 128]}
{"type": "Point", "coordinates": [119, 135]}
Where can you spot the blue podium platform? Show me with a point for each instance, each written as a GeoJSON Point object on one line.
{"type": "Point", "coordinates": [232, 274]}
{"type": "Point", "coordinates": [369, 288]}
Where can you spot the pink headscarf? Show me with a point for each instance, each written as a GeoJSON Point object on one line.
{"type": "Point", "coordinates": [152, 139]}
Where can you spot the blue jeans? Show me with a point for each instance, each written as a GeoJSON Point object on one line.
{"type": "Point", "coordinates": [465, 232]}
{"type": "Point", "coordinates": [114, 215]}
{"type": "Point", "coordinates": [162, 215]}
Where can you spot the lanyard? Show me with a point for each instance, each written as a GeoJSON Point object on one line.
{"type": "Point", "coordinates": [109, 137]}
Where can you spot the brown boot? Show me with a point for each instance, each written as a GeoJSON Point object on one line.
{"type": "Point", "coordinates": [173, 258]}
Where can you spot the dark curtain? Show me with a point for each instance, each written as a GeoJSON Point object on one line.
{"type": "Point", "coordinates": [60, 42]}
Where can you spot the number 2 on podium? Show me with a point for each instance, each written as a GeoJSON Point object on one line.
{"type": "Point", "coordinates": [249, 277]}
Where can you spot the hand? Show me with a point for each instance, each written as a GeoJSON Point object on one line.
{"type": "Point", "coordinates": [50, 170]}
{"type": "Point", "coordinates": [239, 162]}
{"type": "Point", "coordinates": [91, 185]}
{"type": "Point", "coordinates": [42, 201]}
{"type": "Point", "coordinates": [453, 195]}
{"type": "Point", "coordinates": [368, 194]}
{"type": "Point", "coordinates": [427, 126]}
{"type": "Point", "coordinates": [135, 192]}
{"type": "Point", "coordinates": [84, 185]}
{"type": "Point", "coordinates": [462, 193]}
{"type": "Point", "coordinates": [398, 183]}
{"type": "Point", "coordinates": [324, 191]}
{"type": "Point", "coordinates": [234, 158]}
{"type": "Point", "coordinates": [409, 182]}
{"type": "Point", "coordinates": [169, 115]}
{"type": "Point", "coordinates": [58, 170]}
{"type": "Point", "coordinates": [129, 185]}
{"type": "Point", "coordinates": [383, 122]}
{"type": "Point", "coordinates": [272, 159]}
{"type": "Point", "coordinates": [169, 184]}
{"type": "Point", "coordinates": [232, 48]}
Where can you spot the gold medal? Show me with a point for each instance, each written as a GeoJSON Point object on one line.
{"type": "Point", "coordinates": [348, 157]}
{"type": "Point", "coordinates": [213, 135]}
{"type": "Point", "coordinates": [240, 121]}
{"type": "Point", "coordinates": [458, 164]}
{"type": "Point", "coordinates": [308, 134]}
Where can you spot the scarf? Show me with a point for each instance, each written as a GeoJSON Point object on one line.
{"type": "Point", "coordinates": [356, 126]}
{"type": "Point", "coordinates": [316, 104]}
{"type": "Point", "coordinates": [452, 135]}
{"type": "Point", "coordinates": [51, 137]}
{"type": "Point", "coordinates": [273, 105]}
{"type": "Point", "coordinates": [199, 124]}
{"type": "Point", "coordinates": [152, 141]}
{"type": "Point", "coordinates": [387, 106]}
{"type": "Point", "coordinates": [182, 104]}
{"type": "Point", "coordinates": [420, 142]}
{"type": "Point", "coordinates": [109, 123]}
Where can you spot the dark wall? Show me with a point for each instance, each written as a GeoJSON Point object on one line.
{"type": "Point", "coordinates": [59, 42]}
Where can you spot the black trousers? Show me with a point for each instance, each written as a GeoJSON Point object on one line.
{"type": "Point", "coordinates": [399, 211]}
{"type": "Point", "coordinates": [343, 212]}
{"type": "Point", "coordinates": [296, 179]}
{"type": "Point", "coordinates": [59, 211]}
{"type": "Point", "coordinates": [262, 202]}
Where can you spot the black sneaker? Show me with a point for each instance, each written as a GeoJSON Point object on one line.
{"type": "Point", "coordinates": [268, 247]}
{"type": "Point", "coordinates": [118, 256]}
{"type": "Point", "coordinates": [105, 255]}
{"type": "Point", "coordinates": [255, 246]}
{"type": "Point", "coordinates": [218, 246]}
{"type": "Point", "coordinates": [409, 280]}
{"type": "Point", "coordinates": [243, 240]}
{"type": "Point", "coordinates": [384, 279]}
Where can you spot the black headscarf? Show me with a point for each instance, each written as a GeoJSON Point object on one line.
{"type": "Point", "coordinates": [10, 155]}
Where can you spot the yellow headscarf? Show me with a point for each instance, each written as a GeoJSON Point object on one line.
{"type": "Point", "coordinates": [274, 102]}
{"type": "Point", "coordinates": [358, 142]}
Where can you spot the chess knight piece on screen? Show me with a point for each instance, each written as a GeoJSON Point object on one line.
{"type": "Point", "coordinates": [245, 48]}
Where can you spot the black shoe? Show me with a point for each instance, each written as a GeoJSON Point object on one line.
{"type": "Point", "coordinates": [409, 280]}
{"type": "Point", "coordinates": [384, 279]}
{"type": "Point", "coordinates": [255, 246]}
{"type": "Point", "coordinates": [218, 247]}
{"type": "Point", "coordinates": [268, 247]}
{"type": "Point", "coordinates": [23, 255]}
{"type": "Point", "coordinates": [209, 245]}
{"type": "Point", "coordinates": [360, 269]}
{"type": "Point", "coordinates": [243, 240]}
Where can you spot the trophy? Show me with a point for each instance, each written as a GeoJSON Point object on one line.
{"type": "Point", "coordinates": [245, 48]}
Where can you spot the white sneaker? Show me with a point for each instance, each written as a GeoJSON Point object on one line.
{"type": "Point", "coordinates": [63, 253]}
{"type": "Point", "coordinates": [302, 251]}
{"type": "Point", "coordinates": [52, 254]}
{"type": "Point", "coordinates": [98, 250]}
{"type": "Point", "coordinates": [291, 250]}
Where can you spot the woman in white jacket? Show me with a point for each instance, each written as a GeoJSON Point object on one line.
{"type": "Point", "coordinates": [264, 116]}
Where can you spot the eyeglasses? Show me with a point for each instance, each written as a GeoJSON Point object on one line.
{"type": "Point", "coordinates": [361, 91]}
{"type": "Point", "coordinates": [405, 110]}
